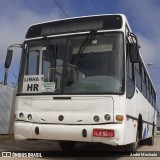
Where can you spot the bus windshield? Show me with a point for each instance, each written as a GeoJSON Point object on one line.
{"type": "Point", "coordinates": [79, 64]}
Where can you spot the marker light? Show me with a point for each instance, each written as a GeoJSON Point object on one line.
{"type": "Point", "coordinates": [21, 115]}
{"type": "Point", "coordinates": [107, 117]}
{"type": "Point", "coordinates": [29, 117]}
{"type": "Point", "coordinates": [119, 117]}
{"type": "Point", "coordinates": [96, 118]}
{"type": "Point", "coordinates": [60, 118]}
{"type": "Point", "coordinates": [15, 116]}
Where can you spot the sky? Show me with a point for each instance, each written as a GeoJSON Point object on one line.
{"type": "Point", "coordinates": [143, 15]}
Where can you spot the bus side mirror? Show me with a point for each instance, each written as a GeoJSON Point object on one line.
{"type": "Point", "coordinates": [8, 58]}
{"type": "Point", "coordinates": [134, 52]}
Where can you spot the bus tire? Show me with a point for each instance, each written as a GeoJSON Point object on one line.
{"type": "Point", "coordinates": [140, 129]}
{"type": "Point", "coordinates": [67, 145]}
{"type": "Point", "coordinates": [150, 140]}
{"type": "Point", "coordinates": [130, 148]}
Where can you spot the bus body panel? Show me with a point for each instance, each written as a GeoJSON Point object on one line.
{"type": "Point", "coordinates": [78, 113]}
{"type": "Point", "coordinates": [68, 132]}
{"type": "Point", "coordinates": [77, 110]}
{"type": "Point", "coordinates": [134, 108]}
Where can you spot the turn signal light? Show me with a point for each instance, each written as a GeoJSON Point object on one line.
{"type": "Point", "coordinates": [119, 117]}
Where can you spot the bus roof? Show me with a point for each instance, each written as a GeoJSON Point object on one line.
{"type": "Point", "coordinates": [57, 20]}
{"type": "Point", "coordinates": [76, 24]}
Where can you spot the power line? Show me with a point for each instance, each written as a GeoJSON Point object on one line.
{"type": "Point", "coordinates": [94, 5]}
{"type": "Point", "coordinates": [65, 8]}
{"type": "Point", "coordinates": [116, 6]}
{"type": "Point", "coordinates": [59, 4]}
{"type": "Point", "coordinates": [61, 7]}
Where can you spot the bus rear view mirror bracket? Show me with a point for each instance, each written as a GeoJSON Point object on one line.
{"type": "Point", "coordinates": [134, 52]}
{"type": "Point", "coordinates": [8, 58]}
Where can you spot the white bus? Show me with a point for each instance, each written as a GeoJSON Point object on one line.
{"type": "Point", "coordinates": [83, 80]}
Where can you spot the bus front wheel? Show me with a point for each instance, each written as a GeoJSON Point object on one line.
{"type": "Point", "coordinates": [67, 145]}
{"type": "Point", "coordinates": [130, 148]}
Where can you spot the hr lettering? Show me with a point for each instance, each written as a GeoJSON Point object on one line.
{"type": "Point", "coordinates": [32, 87]}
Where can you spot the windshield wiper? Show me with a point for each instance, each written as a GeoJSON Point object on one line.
{"type": "Point", "coordinates": [87, 41]}
{"type": "Point", "coordinates": [90, 37]}
{"type": "Point", "coordinates": [50, 46]}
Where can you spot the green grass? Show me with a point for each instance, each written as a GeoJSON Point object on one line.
{"type": "Point", "coordinates": [4, 137]}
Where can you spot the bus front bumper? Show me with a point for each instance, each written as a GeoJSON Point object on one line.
{"type": "Point", "coordinates": [26, 130]}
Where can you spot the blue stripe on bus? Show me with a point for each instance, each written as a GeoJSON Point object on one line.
{"type": "Point", "coordinates": [146, 130]}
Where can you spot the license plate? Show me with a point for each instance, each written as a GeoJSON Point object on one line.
{"type": "Point", "coordinates": [103, 133]}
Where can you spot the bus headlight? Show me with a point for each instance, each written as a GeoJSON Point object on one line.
{"type": "Point", "coordinates": [21, 115]}
{"type": "Point", "coordinates": [96, 118]}
{"type": "Point", "coordinates": [29, 117]}
{"type": "Point", "coordinates": [107, 117]}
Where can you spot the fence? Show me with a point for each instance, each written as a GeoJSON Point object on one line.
{"type": "Point", "coordinates": [7, 101]}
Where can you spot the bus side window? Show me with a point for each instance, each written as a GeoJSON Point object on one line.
{"type": "Point", "coordinates": [143, 82]}
{"type": "Point", "coordinates": [149, 92]}
{"type": "Point", "coordinates": [130, 78]}
{"type": "Point", "coordinates": [138, 76]}
{"type": "Point", "coordinates": [33, 62]}
{"type": "Point", "coordinates": [154, 99]}
{"type": "Point", "coordinates": [147, 87]}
